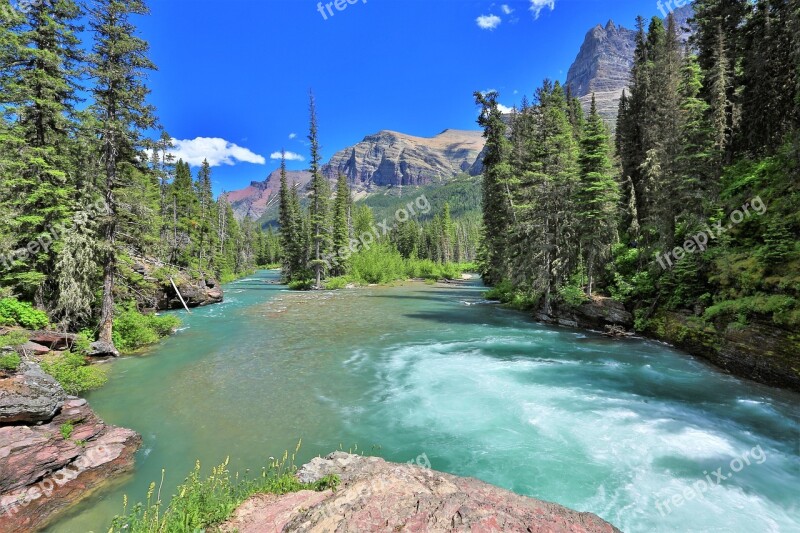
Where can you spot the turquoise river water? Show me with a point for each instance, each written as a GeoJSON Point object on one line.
{"type": "Point", "coordinates": [619, 428]}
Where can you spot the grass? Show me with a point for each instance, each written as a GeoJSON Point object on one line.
{"type": "Point", "coordinates": [203, 502]}
{"type": "Point", "coordinates": [66, 430]}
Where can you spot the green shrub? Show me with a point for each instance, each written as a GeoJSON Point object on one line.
{"type": "Point", "coordinates": [203, 502]}
{"type": "Point", "coordinates": [783, 309]}
{"type": "Point", "coordinates": [16, 313]}
{"type": "Point", "coordinates": [572, 295]}
{"type": "Point", "coordinates": [503, 292]}
{"type": "Point", "coordinates": [336, 283]}
{"type": "Point", "coordinates": [133, 330]}
{"type": "Point", "coordinates": [13, 339]}
{"type": "Point", "coordinates": [301, 285]}
{"type": "Point", "coordinates": [380, 263]}
{"type": "Point", "coordinates": [10, 362]}
{"type": "Point", "coordinates": [74, 374]}
{"type": "Point", "coordinates": [66, 430]}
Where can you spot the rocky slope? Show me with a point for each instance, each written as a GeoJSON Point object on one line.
{"type": "Point", "coordinates": [603, 67]}
{"type": "Point", "coordinates": [42, 470]}
{"type": "Point", "coordinates": [386, 158]}
{"type": "Point", "coordinates": [604, 63]}
{"type": "Point", "coordinates": [254, 200]}
{"type": "Point", "coordinates": [378, 496]}
{"type": "Point", "coordinates": [393, 159]}
{"type": "Point", "coordinates": [155, 290]}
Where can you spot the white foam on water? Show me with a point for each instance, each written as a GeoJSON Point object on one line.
{"type": "Point", "coordinates": [513, 421]}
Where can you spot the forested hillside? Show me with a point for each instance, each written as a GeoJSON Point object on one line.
{"type": "Point", "coordinates": [93, 214]}
{"type": "Point", "coordinates": [690, 217]}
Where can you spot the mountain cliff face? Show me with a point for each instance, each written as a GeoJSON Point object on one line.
{"type": "Point", "coordinates": [603, 67]}
{"type": "Point", "coordinates": [386, 158]}
{"type": "Point", "coordinates": [604, 62]}
{"type": "Point", "coordinates": [254, 200]}
{"type": "Point", "coordinates": [391, 158]}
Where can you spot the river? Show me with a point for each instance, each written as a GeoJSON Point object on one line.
{"type": "Point", "coordinates": [618, 428]}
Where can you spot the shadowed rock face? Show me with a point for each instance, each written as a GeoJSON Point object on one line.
{"type": "Point", "coordinates": [604, 62]}
{"type": "Point", "coordinates": [378, 496]}
{"type": "Point", "coordinates": [41, 471]}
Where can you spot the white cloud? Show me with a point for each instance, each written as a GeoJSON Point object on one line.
{"type": "Point", "coordinates": [217, 151]}
{"type": "Point", "coordinates": [506, 9]}
{"type": "Point", "coordinates": [488, 22]}
{"type": "Point", "coordinates": [292, 135]}
{"type": "Point", "coordinates": [505, 110]}
{"type": "Point", "coordinates": [538, 5]}
{"type": "Point", "coordinates": [290, 156]}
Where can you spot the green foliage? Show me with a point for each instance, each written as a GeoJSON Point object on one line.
{"type": "Point", "coordinates": [13, 339]}
{"type": "Point", "coordinates": [301, 285]}
{"type": "Point", "coordinates": [16, 313]}
{"type": "Point", "coordinates": [133, 330]}
{"type": "Point", "coordinates": [783, 309]}
{"type": "Point", "coordinates": [203, 502]}
{"type": "Point", "coordinates": [506, 293]}
{"type": "Point", "coordinates": [10, 361]}
{"type": "Point", "coordinates": [379, 263]}
{"type": "Point", "coordinates": [572, 294]}
{"type": "Point", "coordinates": [74, 374]}
{"type": "Point", "coordinates": [66, 430]}
{"type": "Point", "coordinates": [336, 283]}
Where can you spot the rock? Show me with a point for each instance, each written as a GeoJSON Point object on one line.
{"type": "Point", "coordinates": [53, 339]}
{"type": "Point", "coordinates": [596, 314]}
{"type": "Point", "coordinates": [378, 496]}
{"type": "Point", "coordinates": [195, 292]}
{"type": "Point", "coordinates": [759, 351]}
{"type": "Point", "coordinates": [103, 349]}
{"type": "Point", "coordinates": [33, 348]}
{"type": "Point", "coordinates": [29, 396]}
{"type": "Point", "coordinates": [41, 472]}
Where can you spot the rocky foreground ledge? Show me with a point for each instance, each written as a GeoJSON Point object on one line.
{"type": "Point", "coordinates": [54, 451]}
{"type": "Point", "coordinates": [378, 496]}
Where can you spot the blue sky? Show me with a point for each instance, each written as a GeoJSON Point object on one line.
{"type": "Point", "coordinates": [239, 71]}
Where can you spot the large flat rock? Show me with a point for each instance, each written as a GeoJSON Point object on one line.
{"type": "Point", "coordinates": [42, 472]}
{"type": "Point", "coordinates": [378, 496]}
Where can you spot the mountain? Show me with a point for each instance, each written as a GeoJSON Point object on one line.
{"type": "Point", "coordinates": [385, 159]}
{"type": "Point", "coordinates": [603, 67]}
{"type": "Point", "coordinates": [256, 199]}
{"type": "Point", "coordinates": [389, 158]}
{"type": "Point", "coordinates": [604, 62]}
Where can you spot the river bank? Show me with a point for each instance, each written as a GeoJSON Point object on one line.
{"type": "Point", "coordinates": [483, 391]}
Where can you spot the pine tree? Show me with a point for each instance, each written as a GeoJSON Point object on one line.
{"type": "Point", "coordinates": [117, 64]}
{"type": "Point", "coordinates": [447, 234]}
{"type": "Point", "coordinates": [597, 196]}
{"type": "Point", "coordinates": [497, 197]}
{"type": "Point", "coordinates": [320, 200]}
{"type": "Point", "coordinates": [545, 248]}
{"type": "Point", "coordinates": [205, 200]}
{"type": "Point", "coordinates": [696, 161]}
{"type": "Point", "coordinates": [341, 224]}
{"type": "Point", "coordinates": [38, 85]}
